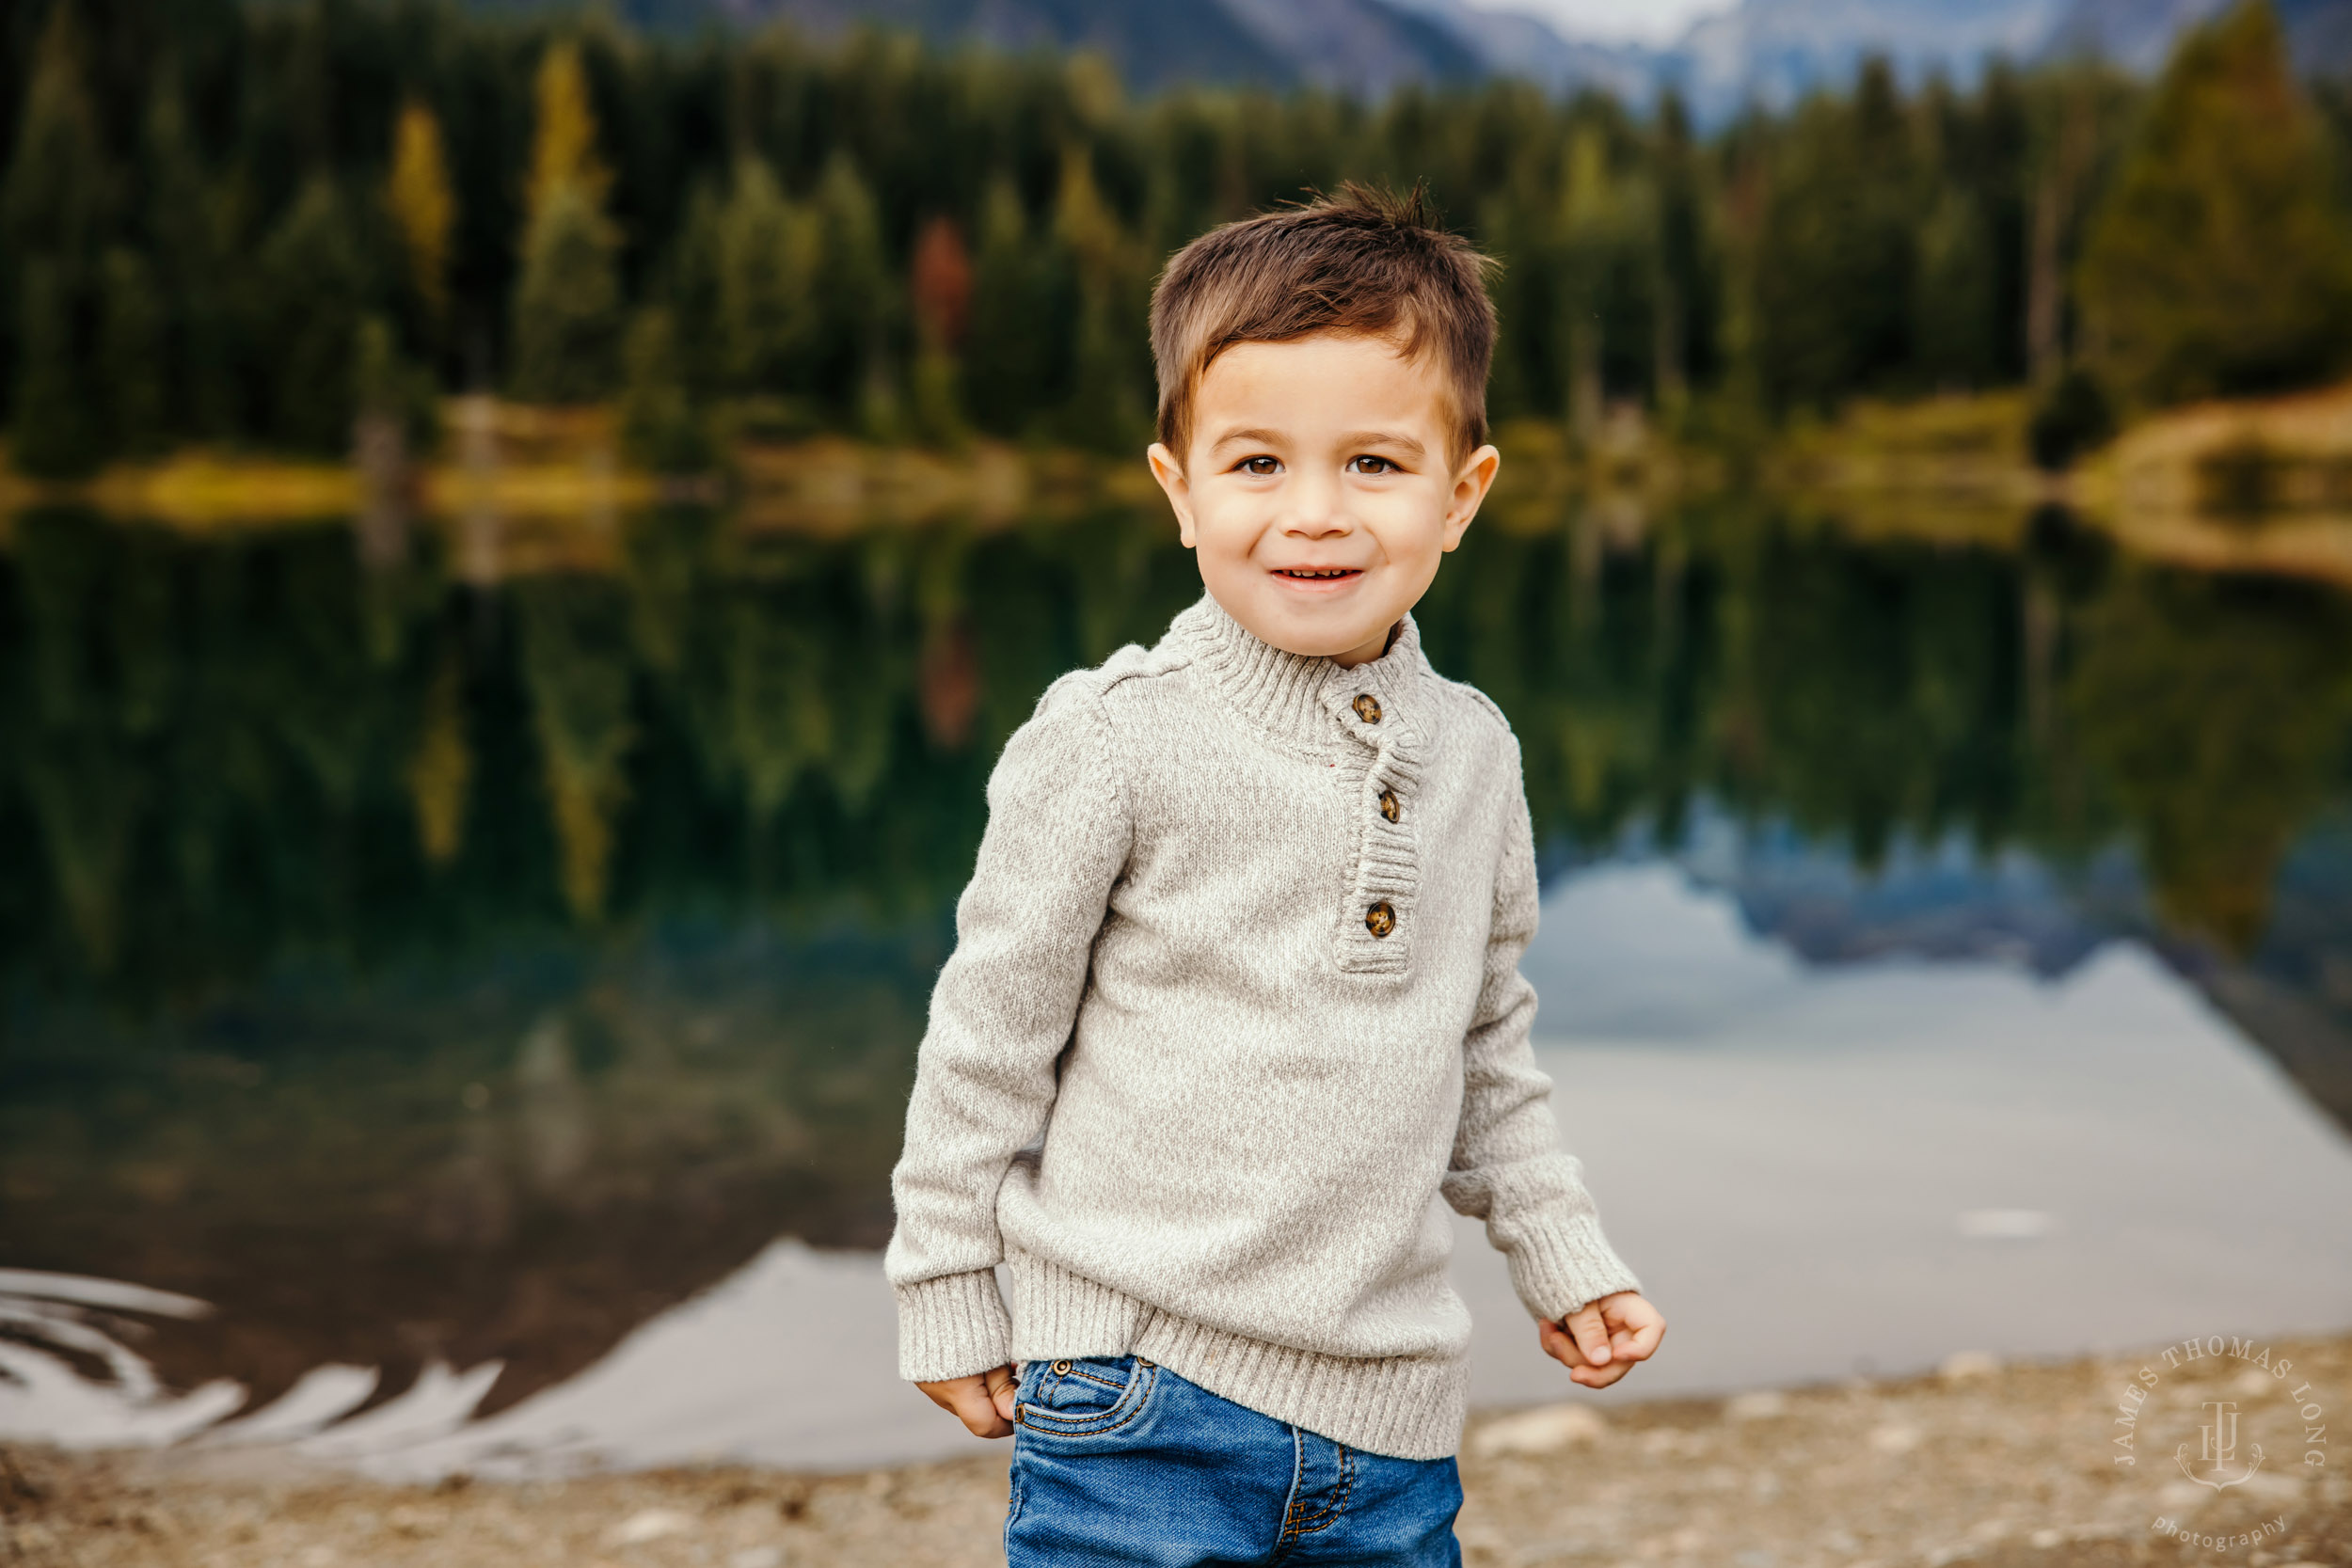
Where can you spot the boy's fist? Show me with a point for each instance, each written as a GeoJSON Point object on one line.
{"type": "Point", "coordinates": [1601, 1339]}
{"type": "Point", "coordinates": [982, 1402]}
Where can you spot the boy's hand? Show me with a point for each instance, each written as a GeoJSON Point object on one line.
{"type": "Point", "coordinates": [1602, 1339]}
{"type": "Point", "coordinates": [982, 1402]}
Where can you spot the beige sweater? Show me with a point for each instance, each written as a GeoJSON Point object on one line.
{"type": "Point", "coordinates": [1235, 996]}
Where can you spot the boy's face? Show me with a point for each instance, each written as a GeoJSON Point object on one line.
{"type": "Point", "coordinates": [1318, 492]}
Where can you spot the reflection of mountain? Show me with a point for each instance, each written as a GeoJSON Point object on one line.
{"type": "Point", "coordinates": [2292, 995]}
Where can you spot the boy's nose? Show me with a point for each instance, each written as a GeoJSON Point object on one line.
{"type": "Point", "coordinates": [1318, 509]}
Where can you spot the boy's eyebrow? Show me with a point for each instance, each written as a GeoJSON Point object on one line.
{"type": "Point", "coordinates": [1353, 438]}
{"type": "Point", "coordinates": [1262, 437]}
{"type": "Point", "coordinates": [1383, 439]}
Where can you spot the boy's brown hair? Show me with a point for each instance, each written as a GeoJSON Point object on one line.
{"type": "Point", "coordinates": [1366, 260]}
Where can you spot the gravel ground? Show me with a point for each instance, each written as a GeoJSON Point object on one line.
{"type": "Point", "coordinates": [2002, 1466]}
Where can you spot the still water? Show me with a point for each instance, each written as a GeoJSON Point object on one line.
{"type": "Point", "coordinates": [461, 1020]}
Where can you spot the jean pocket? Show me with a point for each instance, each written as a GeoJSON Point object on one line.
{"type": "Point", "coordinates": [1083, 1397]}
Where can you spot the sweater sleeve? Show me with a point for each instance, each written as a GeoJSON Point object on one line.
{"type": "Point", "coordinates": [1508, 1167]}
{"type": "Point", "coordinates": [1003, 1009]}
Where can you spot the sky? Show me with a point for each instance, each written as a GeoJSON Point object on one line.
{"type": "Point", "coordinates": [1643, 20]}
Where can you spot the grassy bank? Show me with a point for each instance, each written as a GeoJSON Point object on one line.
{"type": "Point", "coordinates": [2253, 485]}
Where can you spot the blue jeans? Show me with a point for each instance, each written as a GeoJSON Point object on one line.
{"type": "Point", "coordinates": [1116, 1460]}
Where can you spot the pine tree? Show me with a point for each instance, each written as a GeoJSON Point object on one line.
{"type": "Point", "coordinates": [1956, 331]}
{"type": "Point", "coordinates": [849, 351]}
{"type": "Point", "coordinates": [1592, 233]}
{"type": "Point", "coordinates": [1105, 409]}
{"type": "Point", "coordinates": [423, 207]}
{"type": "Point", "coordinates": [767, 260]}
{"type": "Point", "coordinates": [314, 292]}
{"type": "Point", "coordinates": [55, 210]}
{"type": "Point", "coordinates": [2220, 263]}
{"type": "Point", "coordinates": [60, 431]}
{"type": "Point", "coordinates": [1833, 261]}
{"type": "Point", "coordinates": [564, 140]}
{"type": "Point", "coordinates": [1014, 337]}
{"type": "Point", "coordinates": [658, 427]}
{"type": "Point", "coordinates": [131, 351]}
{"type": "Point", "coordinates": [567, 301]}
{"type": "Point", "coordinates": [568, 306]}
{"type": "Point", "coordinates": [694, 286]}
{"type": "Point", "coordinates": [203, 343]}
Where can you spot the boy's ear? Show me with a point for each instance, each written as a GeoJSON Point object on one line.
{"type": "Point", "coordinates": [1172, 483]}
{"type": "Point", "coordinates": [1471, 481]}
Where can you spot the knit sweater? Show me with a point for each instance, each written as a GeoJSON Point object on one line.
{"type": "Point", "coordinates": [1235, 998]}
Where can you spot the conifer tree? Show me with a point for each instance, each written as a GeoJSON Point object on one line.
{"type": "Point", "coordinates": [203, 343]}
{"type": "Point", "coordinates": [658, 427]}
{"type": "Point", "coordinates": [851, 288]}
{"type": "Point", "coordinates": [131, 351]}
{"type": "Point", "coordinates": [769, 254]}
{"type": "Point", "coordinates": [567, 300]}
{"type": "Point", "coordinates": [568, 305]}
{"type": "Point", "coordinates": [56, 213]}
{"type": "Point", "coordinates": [1105, 408]}
{"type": "Point", "coordinates": [58, 431]}
{"type": "Point", "coordinates": [1833, 261]}
{"type": "Point", "coordinates": [423, 207]}
{"type": "Point", "coordinates": [2220, 261]}
{"type": "Point", "coordinates": [313, 296]}
{"type": "Point", "coordinates": [1956, 334]}
{"type": "Point", "coordinates": [1013, 339]}
{"type": "Point", "coordinates": [563, 134]}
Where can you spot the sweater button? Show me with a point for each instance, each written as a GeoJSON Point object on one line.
{"type": "Point", "coordinates": [1367, 708]}
{"type": "Point", "coordinates": [1380, 919]}
{"type": "Point", "coordinates": [1389, 808]}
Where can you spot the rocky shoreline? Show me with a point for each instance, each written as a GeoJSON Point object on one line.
{"type": "Point", "coordinates": [2003, 1467]}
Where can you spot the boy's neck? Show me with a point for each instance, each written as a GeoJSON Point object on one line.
{"type": "Point", "coordinates": [1371, 650]}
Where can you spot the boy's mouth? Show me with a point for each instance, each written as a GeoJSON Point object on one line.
{"type": "Point", "coordinates": [1318, 574]}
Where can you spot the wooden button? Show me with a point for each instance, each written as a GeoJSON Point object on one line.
{"type": "Point", "coordinates": [1389, 808]}
{"type": "Point", "coordinates": [1380, 919]}
{"type": "Point", "coordinates": [1367, 708]}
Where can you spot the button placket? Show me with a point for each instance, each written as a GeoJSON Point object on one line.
{"type": "Point", "coordinates": [1374, 938]}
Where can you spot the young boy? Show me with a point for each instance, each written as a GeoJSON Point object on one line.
{"type": "Point", "coordinates": [1235, 992]}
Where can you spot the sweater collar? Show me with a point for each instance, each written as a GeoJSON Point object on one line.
{"type": "Point", "coordinates": [1299, 695]}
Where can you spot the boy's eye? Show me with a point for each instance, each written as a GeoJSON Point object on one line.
{"type": "Point", "coordinates": [1364, 463]}
{"type": "Point", "coordinates": [1260, 466]}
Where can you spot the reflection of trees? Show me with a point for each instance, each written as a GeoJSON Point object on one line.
{"type": "Point", "coordinates": [224, 755]}
{"type": "Point", "coordinates": [1880, 688]}
{"type": "Point", "coordinates": [2218, 709]}
{"type": "Point", "coordinates": [576, 666]}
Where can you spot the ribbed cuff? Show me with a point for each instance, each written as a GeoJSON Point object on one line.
{"type": "Point", "coordinates": [1559, 1267]}
{"type": "Point", "coordinates": [952, 1327]}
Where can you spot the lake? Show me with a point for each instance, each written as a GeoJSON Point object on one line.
{"type": "Point", "coordinates": [457, 1016]}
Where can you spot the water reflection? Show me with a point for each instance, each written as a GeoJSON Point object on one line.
{"type": "Point", "coordinates": [447, 971]}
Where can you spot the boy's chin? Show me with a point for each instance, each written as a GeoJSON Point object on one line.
{"type": "Point", "coordinates": [1315, 635]}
